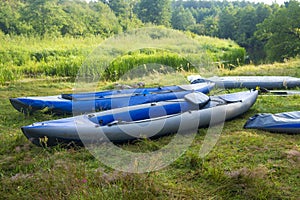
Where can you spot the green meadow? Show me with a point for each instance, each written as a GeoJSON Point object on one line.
{"type": "Point", "coordinates": [25, 57]}
{"type": "Point", "coordinates": [244, 164]}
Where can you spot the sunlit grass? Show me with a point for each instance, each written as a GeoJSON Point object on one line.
{"type": "Point", "coordinates": [244, 164]}
{"type": "Point", "coordinates": [22, 57]}
{"type": "Point", "coordinates": [289, 68]}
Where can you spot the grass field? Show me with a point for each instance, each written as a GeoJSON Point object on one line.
{"type": "Point", "coordinates": [60, 57]}
{"type": "Point", "coordinates": [244, 164]}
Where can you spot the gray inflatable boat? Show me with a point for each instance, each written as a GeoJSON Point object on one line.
{"type": "Point", "coordinates": [142, 121]}
{"type": "Point", "coordinates": [250, 82]}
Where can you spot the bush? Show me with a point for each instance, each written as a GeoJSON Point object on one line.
{"type": "Point", "coordinates": [147, 60]}
{"type": "Point", "coordinates": [234, 58]}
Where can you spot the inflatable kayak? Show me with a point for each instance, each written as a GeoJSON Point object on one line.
{"type": "Point", "coordinates": [141, 121]}
{"type": "Point", "coordinates": [250, 82]}
{"type": "Point", "coordinates": [288, 122]}
{"type": "Point", "coordinates": [131, 91]}
{"type": "Point", "coordinates": [92, 102]}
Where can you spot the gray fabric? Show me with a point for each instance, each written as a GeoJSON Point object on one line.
{"type": "Point", "coordinates": [251, 82]}
{"type": "Point", "coordinates": [197, 98]}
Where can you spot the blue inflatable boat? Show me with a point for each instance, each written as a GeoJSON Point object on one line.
{"type": "Point", "coordinates": [288, 122]}
{"type": "Point", "coordinates": [142, 121]}
{"type": "Point", "coordinates": [93, 102]}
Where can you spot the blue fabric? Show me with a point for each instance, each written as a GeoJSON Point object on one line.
{"type": "Point", "coordinates": [102, 94]}
{"type": "Point", "coordinates": [273, 122]}
{"type": "Point", "coordinates": [94, 104]}
{"type": "Point", "coordinates": [145, 113]}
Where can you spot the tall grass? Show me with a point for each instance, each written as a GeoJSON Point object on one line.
{"type": "Point", "coordinates": [32, 57]}
{"type": "Point", "coordinates": [146, 61]}
{"type": "Point", "coordinates": [105, 61]}
{"type": "Point", "coordinates": [225, 53]}
{"type": "Point", "coordinates": [288, 68]}
{"type": "Point", "coordinates": [8, 75]}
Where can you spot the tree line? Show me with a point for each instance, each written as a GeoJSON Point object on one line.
{"type": "Point", "coordinates": [268, 32]}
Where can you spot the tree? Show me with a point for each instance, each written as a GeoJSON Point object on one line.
{"type": "Point", "coordinates": [45, 16]}
{"type": "Point", "coordinates": [10, 22]}
{"type": "Point", "coordinates": [211, 26]}
{"type": "Point", "coordinates": [94, 18]}
{"type": "Point", "coordinates": [124, 10]}
{"type": "Point", "coordinates": [182, 18]}
{"type": "Point", "coordinates": [74, 25]}
{"type": "Point", "coordinates": [155, 11]}
{"type": "Point", "coordinates": [282, 33]}
{"type": "Point", "coordinates": [256, 49]}
{"type": "Point", "coordinates": [102, 21]}
{"type": "Point", "coordinates": [197, 29]}
{"type": "Point", "coordinates": [246, 26]}
{"type": "Point", "coordinates": [120, 7]}
{"type": "Point", "coordinates": [227, 23]}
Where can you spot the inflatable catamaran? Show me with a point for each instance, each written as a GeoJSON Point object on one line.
{"type": "Point", "coordinates": [142, 121]}
{"type": "Point", "coordinates": [99, 101]}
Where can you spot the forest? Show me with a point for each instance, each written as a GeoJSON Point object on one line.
{"type": "Point", "coordinates": [269, 33]}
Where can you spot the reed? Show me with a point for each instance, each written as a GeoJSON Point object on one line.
{"type": "Point", "coordinates": [65, 57]}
